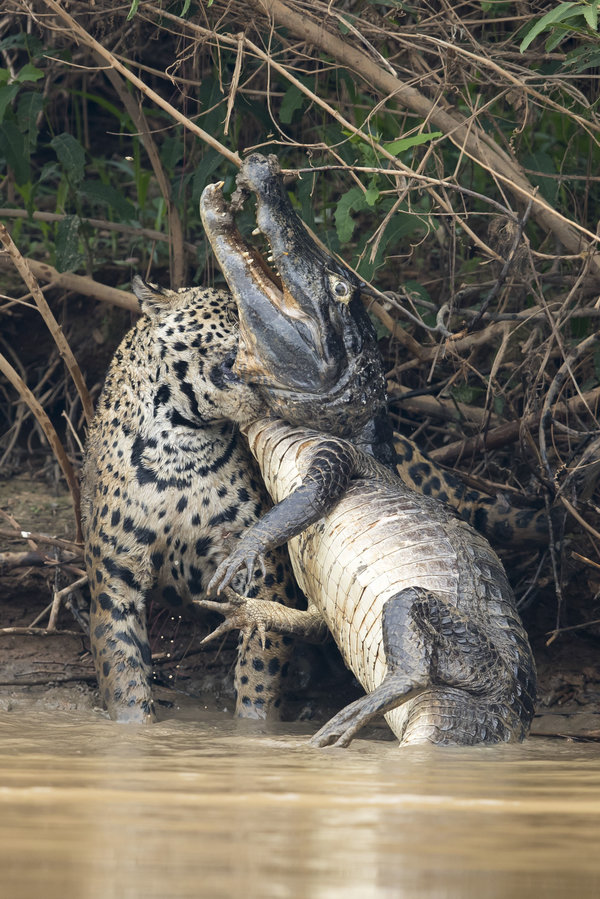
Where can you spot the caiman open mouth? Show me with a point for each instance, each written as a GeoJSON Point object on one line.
{"type": "Point", "coordinates": [255, 287]}
{"type": "Point", "coordinates": [305, 338]}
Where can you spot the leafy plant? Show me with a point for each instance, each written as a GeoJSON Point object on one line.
{"type": "Point", "coordinates": [569, 20]}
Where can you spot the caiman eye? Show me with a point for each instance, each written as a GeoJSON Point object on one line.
{"type": "Point", "coordinates": [341, 289]}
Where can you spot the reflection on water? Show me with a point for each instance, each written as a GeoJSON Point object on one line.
{"type": "Point", "coordinates": [217, 808]}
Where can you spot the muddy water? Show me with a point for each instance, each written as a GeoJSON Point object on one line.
{"type": "Point", "coordinates": [215, 808]}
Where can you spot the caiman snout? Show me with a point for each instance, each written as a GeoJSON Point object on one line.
{"type": "Point", "coordinates": [304, 335]}
{"type": "Point", "coordinates": [280, 345]}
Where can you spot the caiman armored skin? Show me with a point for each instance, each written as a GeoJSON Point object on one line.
{"type": "Point", "coordinates": [417, 601]}
{"type": "Point", "coordinates": [426, 621]}
{"type": "Point", "coordinates": [168, 485]}
{"type": "Point", "coordinates": [308, 345]}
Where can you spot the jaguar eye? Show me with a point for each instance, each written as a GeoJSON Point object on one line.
{"type": "Point", "coordinates": [341, 289]}
{"type": "Point", "coordinates": [227, 368]}
{"type": "Point", "coordinates": [231, 314]}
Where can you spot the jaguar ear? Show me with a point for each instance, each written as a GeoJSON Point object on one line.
{"type": "Point", "coordinates": [153, 299]}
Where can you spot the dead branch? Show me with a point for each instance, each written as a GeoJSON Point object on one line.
{"type": "Point", "coordinates": [68, 545]}
{"type": "Point", "coordinates": [35, 632]}
{"type": "Point", "coordinates": [83, 285]}
{"type": "Point", "coordinates": [51, 435]}
{"type": "Point", "coordinates": [471, 139]}
{"type": "Point", "coordinates": [99, 224]}
{"type": "Point", "coordinates": [48, 316]}
{"type": "Point", "coordinates": [509, 432]}
{"type": "Point", "coordinates": [58, 597]}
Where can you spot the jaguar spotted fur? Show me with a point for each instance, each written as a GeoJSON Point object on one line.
{"type": "Point", "coordinates": [168, 484]}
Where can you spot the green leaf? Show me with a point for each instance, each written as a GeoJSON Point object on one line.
{"type": "Point", "coordinates": [342, 24]}
{"type": "Point", "coordinates": [118, 112]}
{"type": "Point", "coordinates": [207, 165]}
{"type": "Point", "coordinates": [465, 394]}
{"type": "Point", "coordinates": [352, 201]}
{"type": "Point", "coordinates": [71, 156]}
{"type": "Point", "coordinates": [7, 94]}
{"type": "Point", "coordinates": [590, 14]}
{"type": "Point", "coordinates": [29, 72]}
{"type": "Point", "coordinates": [29, 107]}
{"type": "Point", "coordinates": [171, 152]}
{"type": "Point", "coordinates": [543, 164]}
{"type": "Point", "coordinates": [28, 41]}
{"type": "Point", "coordinates": [558, 33]}
{"type": "Point", "coordinates": [132, 10]}
{"type": "Point", "coordinates": [292, 100]}
{"type": "Point", "coordinates": [583, 58]}
{"type": "Point", "coordinates": [404, 143]}
{"type": "Point", "coordinates": [185, 10]}
{"type": "Point", "coordinates": [555, 15]}
{"type": "Point", "coordinates": [106, 195]}
{"type": "Point", "coordinates": [499, 404]}
{"type": "Point", "coordinates": [12, 147]}
{"type": "Point", "coordinates": [68, 256]}
{"type": "Point", "coordinates": [371, 196]}
{"type": "Point", "coordinates": [401, 225]}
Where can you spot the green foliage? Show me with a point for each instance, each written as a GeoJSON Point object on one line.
{"type": "Point", "coordinates": [58, 165]}
{"type": "Point", "coordinates": [564, 21]}
{"type": "Point", "coordinates": [293, 100]}
{"type": "Point", "coordinates": [133, 9]}
{"type": "Point", "coordinates": [68, 256]}
{"type": "Point", "coordinates": [71, 156]}
{"type": "Point", "coordinates": [13, 148]}
{"type": "Point", "coordinates": [396, 147]}
{"type": "Point", "coordinates": [352, 201]}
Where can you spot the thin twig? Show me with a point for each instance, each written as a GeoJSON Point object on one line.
{"type": "Point", "coordinates": [58, 597]}
{"type": "Point", "coordinates": [51, 435]}
{"type": "Point", "coordinates": [86, 38]}
{"type": "Point", "coordinates": [68, 545]}
{"type": "Point", "coordinates": [493, 293]}
{"type": "Point", "coordinates": [509, 432]}
{"type": "Point", "coordinates": [565, 370]}
{"type": "Point", "coordinates": [53, 326]}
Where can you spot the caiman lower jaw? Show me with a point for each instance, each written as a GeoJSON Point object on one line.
{"type": "Point", "coordinates": [276, 335]}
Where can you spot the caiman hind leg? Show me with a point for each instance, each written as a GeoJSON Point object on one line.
{"type": "Point", "coordinates": [429, 645]}
{"type": "Point", "coordinates": [254, 618]}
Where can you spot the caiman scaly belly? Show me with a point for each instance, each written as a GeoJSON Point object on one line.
{"type": "Point", "coordinates": [417, 601]}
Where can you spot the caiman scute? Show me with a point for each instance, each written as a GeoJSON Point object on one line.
{"type": "Point", "coordinates": [417, 601]}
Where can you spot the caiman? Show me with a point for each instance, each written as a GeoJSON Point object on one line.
{"type": "Point", "coordinates": [308, 345]}
{"type": "Point", "coordinates": [417, 601]}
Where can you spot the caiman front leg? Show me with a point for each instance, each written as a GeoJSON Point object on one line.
{"type": "Point", "coordinates": [252, 616]}
{"type": "Point", "coordinates": [326, 479]}
{"type": "Point", "coordinates": [429, 646]}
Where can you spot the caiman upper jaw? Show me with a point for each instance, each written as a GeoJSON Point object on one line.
{"type": "Point", "coordinates": [308, 342]}
{"type": "Point", "coordinates": [279, 345]}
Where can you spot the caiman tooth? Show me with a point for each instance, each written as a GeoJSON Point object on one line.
{"type": "Point", "coordinates": [256, 232]}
